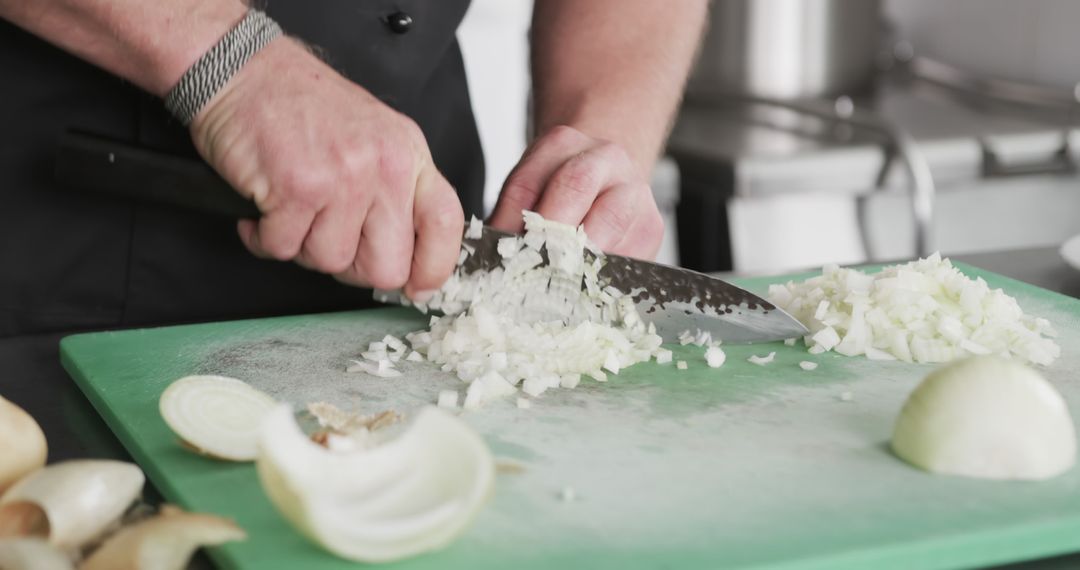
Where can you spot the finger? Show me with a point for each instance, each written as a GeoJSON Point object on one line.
{"type": "Point", "coordinates": [572, 189]}
{"type": "Point", "coordinates": [611, 216]}
{"type": "Point", "coordinates": [331, 244]}
{"type": "Point", "coordinates": [278, 234]}
{"type": "Point", "coordinates": [384, 253]}
{"type": "Point", "coordinates": [526, 182]}
{"type": "Point", "coordinates": [247, 229]}
{"type": "Point", "coordinates": [645, 236]}
{"type": "Point", "coordinates": [439, 222]}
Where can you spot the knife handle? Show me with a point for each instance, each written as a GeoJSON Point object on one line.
{"type": "Point", "coordinates": [94, 164]}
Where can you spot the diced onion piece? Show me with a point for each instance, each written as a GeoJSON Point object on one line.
{"type": "Point", "coordinates": [394, 343]}
{"type": "Point", "coordinates": [216, 416]}
{"type": "Point", "coordinates": [715, 357]}
{"type": "Point", "coordinates": [789, 342]}
{"type": "Point", "coordinates": [475, 229]}
{"type": "Point", "coordinates": [410, 495]}
{"type": "Point", "coordinates": [986, 417]}
{"type": "Point", "coordinates": [508, 247]}
{"type": "Point", "coordinates": [681, 365]}
{"type": "Point", "coordinates": [877, 354]}
{"type": "Point", "coordinates": [761, 360]}
{"type": "Point", "coordinates": [923, 311]}
{"type": "Point", "coordinates": [807, 365]}
{"type": "Point", "coordinates": [663, 356]}
{"type": "Point", "coordinates": [537, 324]}
{"type": "Point", "coordinates": [611, 362]}
{"type": "Point", "coordinates": [383, 368]}
{"type": "Point", "coordinates": [827, 338]}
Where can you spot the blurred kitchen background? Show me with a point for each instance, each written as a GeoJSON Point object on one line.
{"type": "Point", "coordinates": [843, 130]}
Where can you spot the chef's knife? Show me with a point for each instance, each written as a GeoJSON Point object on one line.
{"type": "Point", "coordinates": [672, 298]}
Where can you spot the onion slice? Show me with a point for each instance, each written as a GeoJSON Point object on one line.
{"type": "Point", "coordinates": [986, 417]}
{"type": "Point", "coordinates": [412, 494]}
{"type": "Point", "coordinates": [216, 416]}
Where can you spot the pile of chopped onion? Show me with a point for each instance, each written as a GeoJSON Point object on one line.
{"type": "Point", "coordinates": [923, 311]}
{"type": "Point", "coordinates": [532, 324]}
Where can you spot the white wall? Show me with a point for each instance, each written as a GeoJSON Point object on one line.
{"type": "Point", "coordinates": [494, 39]}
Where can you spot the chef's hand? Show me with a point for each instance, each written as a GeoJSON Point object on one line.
{"type": "Point", "coordinates": [346, 184]}
{"type": "Point", "coordinates": [570, 177]}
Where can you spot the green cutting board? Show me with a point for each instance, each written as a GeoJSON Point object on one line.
{"type": "Point", "coordinates": [743, 466]}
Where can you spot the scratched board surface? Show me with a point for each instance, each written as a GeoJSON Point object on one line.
{"type": "Point", "coordinates": [739, 467]}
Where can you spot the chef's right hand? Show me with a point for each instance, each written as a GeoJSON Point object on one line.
{"type": "Point", "coordinates": [346, 184]}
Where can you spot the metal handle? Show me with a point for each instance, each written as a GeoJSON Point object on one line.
{"type": "Point", "coordinates": [94, 164]}
{"type": "Point", "coordinates": [902, 143]}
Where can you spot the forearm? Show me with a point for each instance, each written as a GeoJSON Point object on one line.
{"type": "Point", "coordinates": [614, 69]}
{"type": "Point", "coordinates": [149, 43]}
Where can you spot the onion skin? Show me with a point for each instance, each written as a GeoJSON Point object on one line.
{"type": "Point", "coordinates": [72, 502]}
{"type": "Point", "coordinates": [23, 444]}
{"type": "Point", "coordinates": [989, 418]}
{"type": "Point", "coordinates": [165, 541]}
{"type": "Point", "coordinates": [32, 554]}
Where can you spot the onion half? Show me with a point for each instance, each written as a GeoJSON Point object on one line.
{"type": "Point", "coordinates": [986, 417]}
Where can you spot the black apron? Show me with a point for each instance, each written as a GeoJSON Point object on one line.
{"type": "Point", "coordinates": [71, 261]}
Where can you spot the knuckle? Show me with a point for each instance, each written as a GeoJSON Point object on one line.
{"type": "Point", "coordinates": [396, 169]}
{"type": "Point", "coordinates": [563, 135]}
{"type": "Point", "coordinates": [306, 186]}
{"type": "Point", "coordinates": [388, 274]}
{"type": "Point", "coordinates": [335, 262]}
{"type": "Point", "coordinates": [414, 132]}
{"type": "Point", "coordinates": [617, 218]}
{"type": "Point", "coordinates": [581, 175]}
{"type": "Point", "coordinates": [614, 152]}
{"type": "Point", "coordinates": [446, 219]}
{"type": "Point", "coordinates": [280, 250]}
{"type": "Point", "coordinates": [520, 190]}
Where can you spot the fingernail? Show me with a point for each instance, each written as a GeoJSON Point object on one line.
{"type": "Point", "coordinates": [423, 296]}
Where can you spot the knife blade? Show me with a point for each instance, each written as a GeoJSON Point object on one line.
{"type": "Point", "coordinates": [672, 298]}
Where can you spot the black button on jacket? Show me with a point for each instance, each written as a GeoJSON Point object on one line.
{"type": "Point", "coordinates": [71, 261]}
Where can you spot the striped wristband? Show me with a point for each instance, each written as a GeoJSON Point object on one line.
{"type": "Point", "coordinates": [213, 70]}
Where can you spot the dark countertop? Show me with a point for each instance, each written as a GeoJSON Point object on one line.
{"type": "Point", "coordinates": [31, 375]}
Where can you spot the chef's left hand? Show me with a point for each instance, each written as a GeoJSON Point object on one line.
{"type": "Point", "coordinates": [571, 177]}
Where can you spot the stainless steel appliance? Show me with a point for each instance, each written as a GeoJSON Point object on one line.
{"type": "Point", "coordinates": [788, 49]}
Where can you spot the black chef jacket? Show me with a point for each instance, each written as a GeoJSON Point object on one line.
{"type": "Point", "coordinates": [70, 260]}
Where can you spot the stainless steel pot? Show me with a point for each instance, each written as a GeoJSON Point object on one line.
{"type": "Point", "coordinates": [787, 49]}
